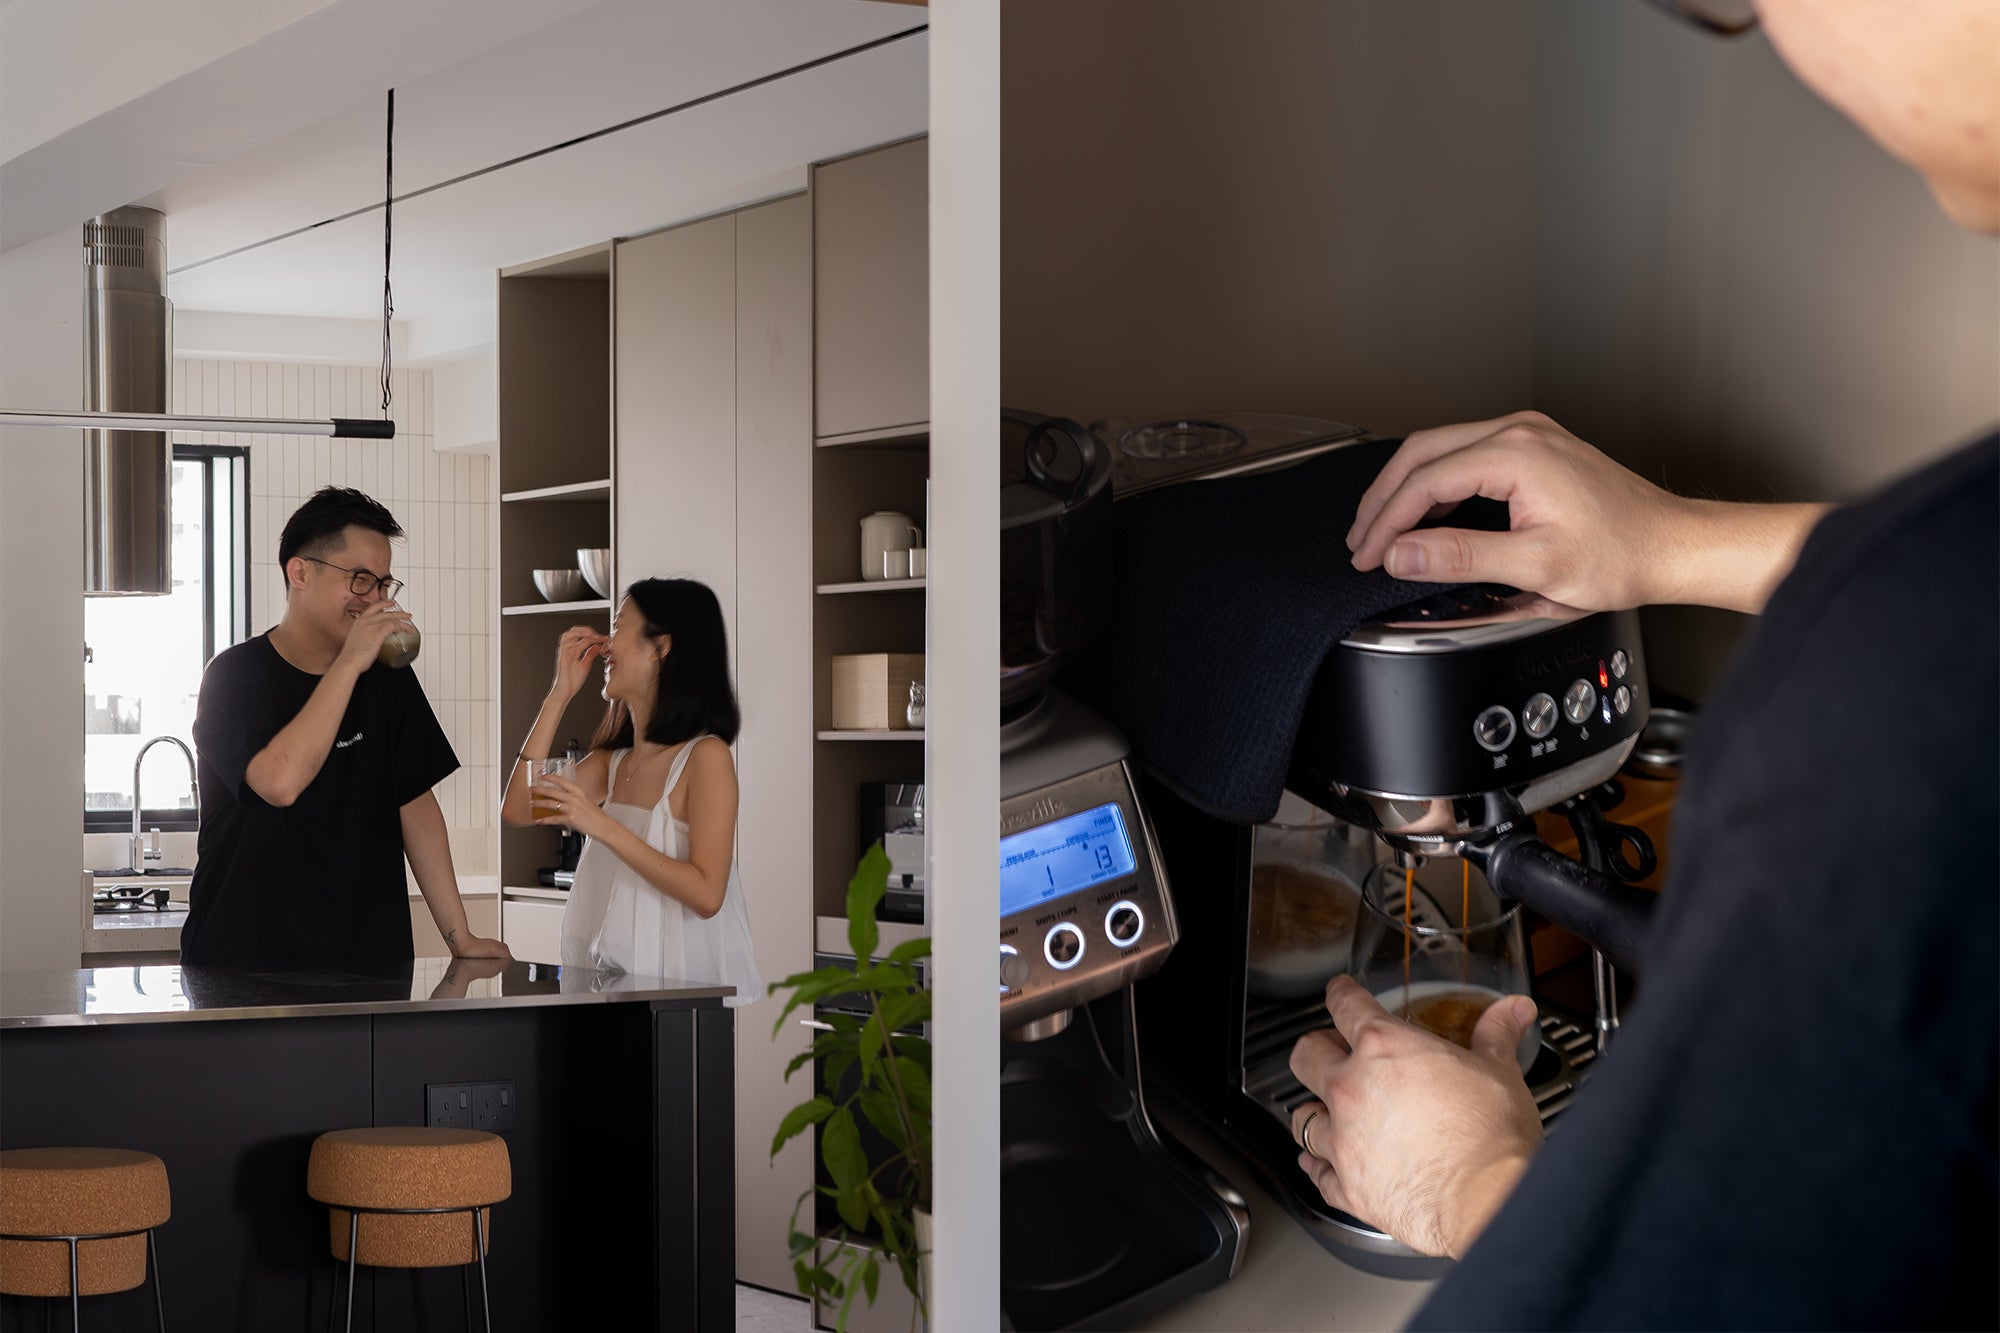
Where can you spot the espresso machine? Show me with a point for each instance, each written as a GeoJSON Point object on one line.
{"type": "Point", "coordinates": [1420, 723]}
{"type": "Point", "coordinates": [1103, 1218]}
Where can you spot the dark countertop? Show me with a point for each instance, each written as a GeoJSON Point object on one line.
{"type": "Point", "coordinates": [173, 993]}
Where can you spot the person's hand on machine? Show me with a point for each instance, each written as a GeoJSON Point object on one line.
{"type": "Point", "coordinates": [1410, 1133]}
{"type": "Point", "coordinates": [1584, 531]}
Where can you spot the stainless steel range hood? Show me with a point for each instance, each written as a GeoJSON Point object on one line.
{"type": "Point", "coordinates": [127, 474]}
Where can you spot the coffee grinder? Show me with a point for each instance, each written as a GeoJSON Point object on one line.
{"type": "Point", "coordinates": [1103, 1219]}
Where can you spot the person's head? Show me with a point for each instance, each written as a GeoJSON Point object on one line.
{"type": "Point", "coordinates": [1921, 77]}
{"type": "Point", "coordinates": [333, 542]}
{"type": "Point", "coordinates": [669, 657]}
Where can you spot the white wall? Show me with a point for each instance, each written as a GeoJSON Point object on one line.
{"type": "Point", "coordinates": [41, 608]}
{"type": "Point", "coordinates": [446, 503]}
{"type": "Point", "coordinates": [962, 615]}
{"type": "Point", "coordinates": [1736, 292]}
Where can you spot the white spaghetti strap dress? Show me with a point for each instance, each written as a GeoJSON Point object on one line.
{"type": "Point", "coordinates": [617, 922]}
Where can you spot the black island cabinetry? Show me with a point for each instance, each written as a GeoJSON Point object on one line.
{"type": "Point", "coordinates": [620, 1093]}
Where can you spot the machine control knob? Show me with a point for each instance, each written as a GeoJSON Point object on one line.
{"type": "Point", "coordinates": [1494, 728]}
{"type": "Point", "coordinates": [1063, 947]}
{"type": "Point", "coordinates": [1578, 700]}
{"type": "Point", "coordinates": [1014, 969]}
{"type": "Point", "coordinates": [1621, 699]}
{"type": "Point", "coordinates": [1123, 923]}
{"type": "Point", "coordinates": [1539, 716]}
{"type": "Point", "coordinates": [1620, 664]}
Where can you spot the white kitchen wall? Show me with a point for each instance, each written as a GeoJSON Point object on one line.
{"type": "Point", "coordinates": [445, 501]}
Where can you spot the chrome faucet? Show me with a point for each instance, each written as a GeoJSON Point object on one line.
{"type": "Point", "coordinates": [140, 853]}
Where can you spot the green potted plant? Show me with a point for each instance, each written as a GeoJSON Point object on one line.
{"type": "Point", "coordinates": [892, 1093]}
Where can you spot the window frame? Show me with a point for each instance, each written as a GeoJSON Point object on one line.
{"type": "Point", "coordinates": [211, 456]}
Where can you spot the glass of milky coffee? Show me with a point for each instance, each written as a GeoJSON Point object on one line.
{"type": "Point", "coordinates": [1436, 947]}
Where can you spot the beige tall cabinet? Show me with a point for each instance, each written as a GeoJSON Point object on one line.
{"type": "Point", "coordinates": [714, 380]}
{"type": "Point", "coordinates": [725, 400]}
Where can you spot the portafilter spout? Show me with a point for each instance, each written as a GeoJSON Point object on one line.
{"type": "Point", "coordinates": [1610, 916]}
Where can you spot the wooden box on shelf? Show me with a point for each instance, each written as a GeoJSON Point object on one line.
{"type": "Point", "coordinates": [871, 691]}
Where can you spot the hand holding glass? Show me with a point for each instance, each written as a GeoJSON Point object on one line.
{"type": "Point", "coordinates": [542, 800]}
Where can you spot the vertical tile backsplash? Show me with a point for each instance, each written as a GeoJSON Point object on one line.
{"type": "Point", "coordinates": [445, 502]}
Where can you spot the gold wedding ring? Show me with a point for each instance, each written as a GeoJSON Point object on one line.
{"type": "Point", "coordinates": [1305, 1131]}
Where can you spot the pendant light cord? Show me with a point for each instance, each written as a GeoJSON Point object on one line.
{"type": "Point", "coordinates": [388, 207]}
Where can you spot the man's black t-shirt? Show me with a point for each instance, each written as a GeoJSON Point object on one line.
{"type": "Point", "coordinates": [321, 880]}
{"type": "Point", "coordinates": [1796, 1127]}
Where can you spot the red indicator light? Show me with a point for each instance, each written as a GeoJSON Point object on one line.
{"type": "Point", "coordinates": [1603, 677]}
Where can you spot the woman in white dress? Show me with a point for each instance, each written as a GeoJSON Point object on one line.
{"type": "Point", "coordinates": [656, 891]}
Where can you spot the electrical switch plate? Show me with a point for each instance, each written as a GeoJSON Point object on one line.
{"type": "Point", "coordinates": [448, 1105]}
{"type": "Point", "coordinates": [493, 1106]}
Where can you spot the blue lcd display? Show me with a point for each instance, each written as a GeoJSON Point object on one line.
{"type": "Point", "coordinates": [1064, 857]}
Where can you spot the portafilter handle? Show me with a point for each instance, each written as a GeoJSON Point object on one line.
{"type": "Point", "coordinates": [1609, 916]}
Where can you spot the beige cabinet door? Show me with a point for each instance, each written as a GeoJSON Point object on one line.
{"type": "Point", "coordinates": [871, 291]}
{"type": "Point", "coordinates": [674, 311]}
{"type": "Point", "coordinates": [532, 930]}
{"type": "Point", "coordinates": [774, 680]}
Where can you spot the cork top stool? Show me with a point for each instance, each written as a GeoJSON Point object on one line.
{"type": "Point", "coordinates": [79, 1222]}
{"type": "Point", "coordinates": [415, 1186]}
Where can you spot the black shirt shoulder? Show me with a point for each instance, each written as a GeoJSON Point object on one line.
{"type": "Point", "coordinates": [1796, 1127]}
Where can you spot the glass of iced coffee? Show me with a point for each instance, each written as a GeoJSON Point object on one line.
{"type": "Point", "coordinates": [542, 798]}
{"type": "Point", "coordinates": [1436, 947]}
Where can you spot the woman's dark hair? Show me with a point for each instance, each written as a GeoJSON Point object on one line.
{"type": "Point", "coordinates": [694, 691]}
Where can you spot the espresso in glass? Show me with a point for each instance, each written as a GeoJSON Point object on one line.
{"type": "Point", "coordinates": [399, 649]}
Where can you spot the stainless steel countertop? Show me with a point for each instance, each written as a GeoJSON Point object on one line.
{"type": "Point", "coordinates": [173, 993]}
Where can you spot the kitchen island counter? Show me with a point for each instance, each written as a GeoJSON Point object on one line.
{"type": "Point", "coordinates": [619, 1110]}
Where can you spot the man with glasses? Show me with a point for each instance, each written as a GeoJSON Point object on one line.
{"type": "Point", "coordinates": [317, 764]}
{"type": "Point", "coordinates": [1797, 1125]}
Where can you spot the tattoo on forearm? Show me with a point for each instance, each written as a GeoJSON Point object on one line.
{"type": "Point", "coordinates": [451, 939]}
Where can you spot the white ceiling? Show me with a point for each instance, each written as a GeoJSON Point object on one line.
{"type": "Point", "coordinates": [609, 63]}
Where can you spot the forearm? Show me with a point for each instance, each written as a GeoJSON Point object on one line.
{"type": "Point", "coordinates": [288, 765]}
{"type": "Point", "coordinates": [541, 737]}
{"type": "Point", "coordinates": [1729, 555]}
{"type": "Point", "coordinates": [428, 847]}
{"type": "Point", "coordinates": [685, 882]}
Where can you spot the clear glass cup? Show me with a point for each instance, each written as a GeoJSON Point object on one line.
{"type": "Point", "coordinates": [399, 649]}
{"type": "Point", "coordinates": [541, 800]}
{"type": "Point", "coordinates": [1306, 869]}
{"type": "Point", "coordinates": [1441, 953]}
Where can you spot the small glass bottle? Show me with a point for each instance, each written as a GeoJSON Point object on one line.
{"type": "Point", "coordinates": [915, 712]}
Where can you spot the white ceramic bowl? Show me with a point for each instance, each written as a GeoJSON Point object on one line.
{"type": "Point", "coordinates": [595, 562]}
{"type": "Point", "coordinates": [559, 585]}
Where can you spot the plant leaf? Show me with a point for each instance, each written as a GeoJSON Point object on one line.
{"type": "Point", "coordinates": [871, 1277]}
{"type": "Point", "coordinates": [909, 951]}
{"type": "Point", "coordinates": [880, 1108]}
{"type": "Point", "coordinates": [798, 1118]}
{"type": "Point", "coordinates": [864, 891]}
{"type": "Point", "coordinates": [840, 1148]}
{"type": "Point", "coordinates": [916, 1084]}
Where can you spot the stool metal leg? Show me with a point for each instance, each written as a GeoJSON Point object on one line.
{"type": "Point", "coordinates": [75, 1297]}
{"type": "Point", "coordinates": [485, 1301]}
{"type": "Point", "coordinates": [153, 1262]}
{"type": "Point", "coordinates": [353, 1253]}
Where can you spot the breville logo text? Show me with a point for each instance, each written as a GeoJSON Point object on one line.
{"type": "Point", "coordinates": [1575, 650]}
{"type": "Point", "coordinates": [1039, 813]}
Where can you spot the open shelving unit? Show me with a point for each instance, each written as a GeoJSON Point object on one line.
{"type": "Point", "coordinates": [557, 471]}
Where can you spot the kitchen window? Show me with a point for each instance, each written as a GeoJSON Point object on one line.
{"type": "Point", "coordinates": [143, 656]}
